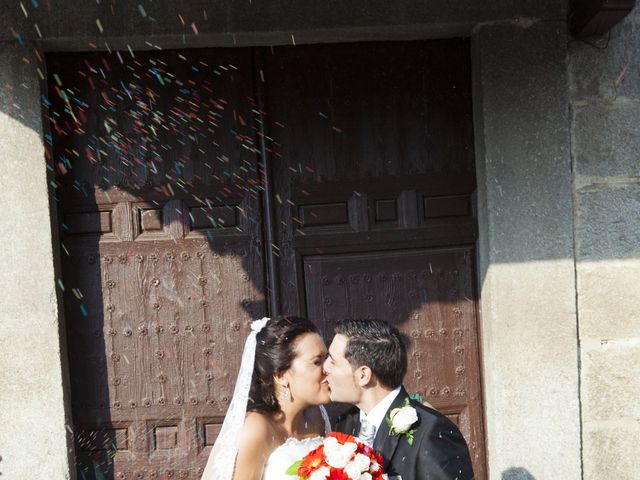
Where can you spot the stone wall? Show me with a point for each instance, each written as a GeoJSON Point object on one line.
{"type": "Point", "coordinates": [527, 280]}
{"type": "Point", "coordinates": [63, 24]}
{"type": "Point", "coordinates": [605, 105]}
{"type": "Point", "coordinates": [33, 437]}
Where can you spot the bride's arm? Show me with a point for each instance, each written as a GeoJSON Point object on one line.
{"type": "Point", "coordinates": [254, 448]}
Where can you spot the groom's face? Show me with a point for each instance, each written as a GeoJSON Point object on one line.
{"type": "Point", "coordinates": [340, 373]}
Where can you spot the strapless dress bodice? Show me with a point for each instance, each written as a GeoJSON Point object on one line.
{"type": "Point", "coordinates": [286, 454]}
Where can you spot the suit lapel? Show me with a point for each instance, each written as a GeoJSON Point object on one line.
{"type": "Point", "coordinates": [384, 443]}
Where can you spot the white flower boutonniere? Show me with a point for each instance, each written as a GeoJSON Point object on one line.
{"type": "Point", "coordinates": [401, 419]}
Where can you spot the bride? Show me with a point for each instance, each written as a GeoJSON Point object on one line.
{"type": "Point", "coordinates": [275, 416]}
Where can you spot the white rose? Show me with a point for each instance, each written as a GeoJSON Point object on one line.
{"type": "Point", "coordinates": [366, 476]}
{"type": "Point", "coordinates": [403, 418]}
{"type": "Point", "coordinates": [362, 461]}
{"type": "Point", "coordinates": [353, 470]}
{"type": "Point", "coordinates": [330, 445]}
{"type": "Point", "coordinates": [320, 474]}
{"type": "Point", "coordinates": [340, 456]}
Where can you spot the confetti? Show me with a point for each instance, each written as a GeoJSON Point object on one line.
{"type": "Point", "coordinates": [17, 36]}
{"type": "Point", "coordinates": [621, 76]}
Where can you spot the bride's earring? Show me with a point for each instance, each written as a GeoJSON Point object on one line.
{"type": "Point", "coordinates": [287, 392]}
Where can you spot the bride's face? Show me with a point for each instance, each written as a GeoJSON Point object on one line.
{"type": "Point", "coordinates": [306, 375]}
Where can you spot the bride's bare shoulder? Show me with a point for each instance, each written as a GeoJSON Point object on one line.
{"type": "Point", "coordinates": [254, 446]}
{"type": "Point", "coordinates": [255, 436]}
{"type": "Point", "coordinates": [257, 426]}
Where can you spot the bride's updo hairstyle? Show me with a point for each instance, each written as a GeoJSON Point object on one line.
{"type": "Point", "coordinates": [274, 354]}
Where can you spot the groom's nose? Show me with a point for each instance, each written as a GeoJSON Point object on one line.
{"type": "Point", "coordinates": [325, 366]}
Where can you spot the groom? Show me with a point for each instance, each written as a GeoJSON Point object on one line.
{"type": "Point", "coordinates": [365, 367]}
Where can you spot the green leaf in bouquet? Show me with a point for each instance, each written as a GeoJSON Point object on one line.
{"type": "Point", "coordinates": [293, 469]}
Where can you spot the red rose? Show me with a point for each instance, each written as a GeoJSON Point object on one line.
{"type": "Point", "coordinates": [377, 456]}
{"type": "Point", "coordinates": [342, 437]}
{"type": "Point", "coordinates": [337, 474]}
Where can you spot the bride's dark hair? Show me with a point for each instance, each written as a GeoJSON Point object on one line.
{"type": "Point", "coordinates": [274, 354]}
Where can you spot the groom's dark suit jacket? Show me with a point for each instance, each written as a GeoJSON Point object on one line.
{"type": "Point", "coordinates": [438, 452]}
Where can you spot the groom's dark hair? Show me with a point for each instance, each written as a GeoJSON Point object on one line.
{"type": "Point", "coordinates": [377, 345]}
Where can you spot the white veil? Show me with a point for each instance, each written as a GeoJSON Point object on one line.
{"type": "Point", "coordinates": [222, 458]}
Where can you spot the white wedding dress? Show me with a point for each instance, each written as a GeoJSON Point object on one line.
{"type": "Point", "coordinates": [291, 451]}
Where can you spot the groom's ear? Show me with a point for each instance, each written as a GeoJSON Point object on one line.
{"type": "Point", "coordinates": [363, 375]}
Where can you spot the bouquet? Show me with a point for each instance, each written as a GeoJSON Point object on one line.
{"type": "Point", "coordinates": [339, 457]}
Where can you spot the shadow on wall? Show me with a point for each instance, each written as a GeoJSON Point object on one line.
{"type": "Point", "coordinates": [517, 473]}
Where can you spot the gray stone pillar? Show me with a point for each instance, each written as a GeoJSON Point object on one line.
{"type": "Point", "coordinates": [605, 102]}
{"type": "Point", "coordinates": [33, 437]}
{"type": "Point", "coordinates": [527, 275]}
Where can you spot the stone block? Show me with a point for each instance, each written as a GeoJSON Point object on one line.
{"type": "Point", "coordinates": [609, 72]}
{"type": "Point", "coordinates": [522, 117]}
{"type": "Point", "coordinates": [609, 452]}
{"type": "Point", "coordinates": [608, 223]}
{"type": "Point", "coordinates": [610, 381]}
{"type": "Point", "coordinates": [609, 296]}
{"type": "Point", "coordinates": [606, 139]}
{"type": "Point", "coordinates": [611, 412]}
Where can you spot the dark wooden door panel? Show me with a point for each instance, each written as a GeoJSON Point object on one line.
{"type": "Point", "coordinates": [155, 333]}
{"type": "Point", "coordinates": [428, 294]}
{"type": "Point", "coordinates": [374, 170]}
{"type": "Point", "coordinates": [162, 239]}
{"type": "Point", "coordinates": [369, 128]}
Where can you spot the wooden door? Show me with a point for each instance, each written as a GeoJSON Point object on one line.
{"type": "Point", "coordinates": [193, 199]}
{"type": "Point", "coordinates": [374, 169]}
{"type": "Point", "coordinates": [161, 244]}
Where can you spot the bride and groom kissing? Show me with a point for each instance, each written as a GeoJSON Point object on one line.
{"type": "Point", "coordinates": [286, 374]}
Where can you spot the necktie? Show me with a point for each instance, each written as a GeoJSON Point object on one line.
{"type": "Point", "coordinates": [367, 431]}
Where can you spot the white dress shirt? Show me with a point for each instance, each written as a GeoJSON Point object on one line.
{"type": "Point", "coordinates": [377, 413]}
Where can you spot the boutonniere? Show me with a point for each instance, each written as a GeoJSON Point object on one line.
{"type": "Point", "coordinates": [401, 419]}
